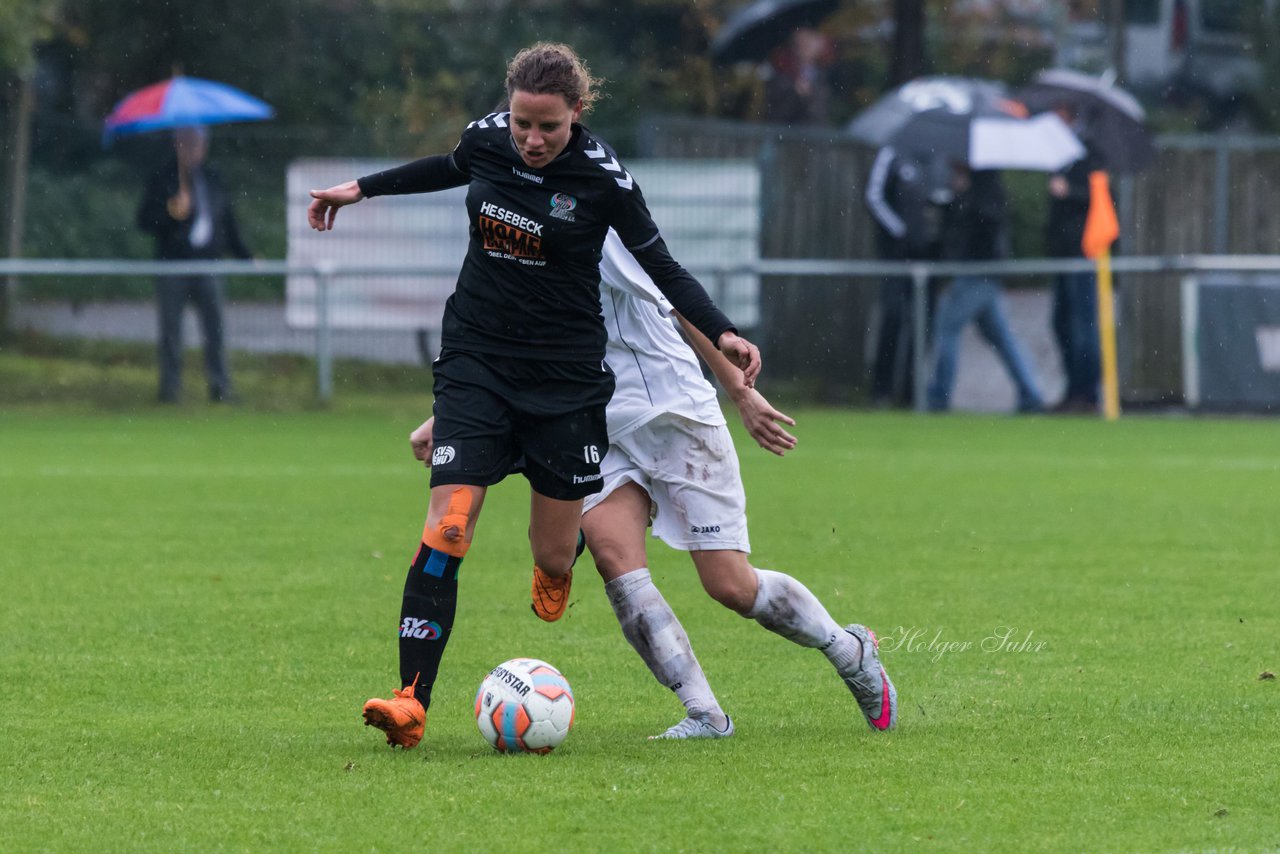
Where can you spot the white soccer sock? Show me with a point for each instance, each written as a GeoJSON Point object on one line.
{"type": "Point", "coordinates": [651, 627]}
{"type": "Point", "coordinates": [785, 607]}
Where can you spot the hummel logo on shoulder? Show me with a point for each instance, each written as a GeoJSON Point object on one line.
{"type": "Point", "coordinates": [498, 119]}
{"type": "Point", "coordinates": [612, 165]}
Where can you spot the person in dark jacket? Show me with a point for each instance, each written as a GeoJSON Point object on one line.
{"type": "Point", "coordinates": [973, 229]}
{"type": "Point", "coordinates": [898, 198]}
{"type": "Point", "coordinates": [1075, 295]}
{"type": "Point", "coordinates": [188, 212]}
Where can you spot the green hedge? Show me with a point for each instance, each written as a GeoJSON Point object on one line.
{"type": "Point", "coordinates": [89, 212]}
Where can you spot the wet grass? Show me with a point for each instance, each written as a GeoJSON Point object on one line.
{"type": "Point", "coordinates": [38, 370]}
{"type": "Point", "coordinates": [197, 600]}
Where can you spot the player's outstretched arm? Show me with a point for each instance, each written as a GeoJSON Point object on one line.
{"type": "Point", "coordinates": [420, 440]}
{"type": "Point", "coordinates": [325, 203]}
{"type": "Point", "coordinates": [758, 416]}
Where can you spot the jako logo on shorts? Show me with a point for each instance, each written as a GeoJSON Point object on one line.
{"type": "Point", "coordinates": [443, 455]}
{"type": "Point", "coordinates": [419, 629]}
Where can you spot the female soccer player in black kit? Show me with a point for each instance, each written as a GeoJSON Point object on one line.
{"type": "Point", "coordinates": [521, 373]}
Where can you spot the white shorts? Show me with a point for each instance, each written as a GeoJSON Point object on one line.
{"type": "Point", "coordinates": [690, 471]}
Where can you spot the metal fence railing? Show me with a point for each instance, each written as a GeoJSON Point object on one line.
{"type": "Point", "coordinates": [1190, 269]}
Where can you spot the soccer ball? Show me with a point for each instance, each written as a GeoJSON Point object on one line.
{"type": "Point", "coordinates": [524, 705]}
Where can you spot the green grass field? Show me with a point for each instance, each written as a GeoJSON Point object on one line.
{"type": "Point", "coordinates": [1077, 616]}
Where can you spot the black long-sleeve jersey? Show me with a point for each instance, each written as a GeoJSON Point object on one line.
{"type": "Point", "coordinates": [530, 284]}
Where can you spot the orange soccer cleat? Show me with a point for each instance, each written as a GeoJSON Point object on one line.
{"type": "Point", "coordinates": [401, 718]}
{"type": "Point", "coordinates": [550, 594]}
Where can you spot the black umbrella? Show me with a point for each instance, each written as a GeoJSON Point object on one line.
{"type": "Point", "coordinates": [1041, 143]}
{"type": "Point", "coordinates": [1111, 120]}
{"type": "Point", "coordinates": [754, 30]}
{"type": "Point", "coordinates": [960, 96]}
{"type": "Point", "coordinates": [967, 120]}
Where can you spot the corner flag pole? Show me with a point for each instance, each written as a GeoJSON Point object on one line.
{"type": "Point", "coordinates": [1101, 229]}
{"type": "Point", "coordinates": [1107, 339]}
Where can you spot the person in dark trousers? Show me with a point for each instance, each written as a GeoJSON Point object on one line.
{"type": "Point", "coordinates": [1075, 295]}
{"type": "Point", "coordinates": [521, 377]}
{"type": "Point", "coordinates": [974, 229]}
{"type": "Point", "coordinates": [187, 210]}
{"type": "Point", "coordinates": [898, 198]}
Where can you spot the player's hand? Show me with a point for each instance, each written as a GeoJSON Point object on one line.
{"type": "Point", "coordinates": [742, 353]}
{"type": "Point", "coordinates": [324, 207]}
{"type": "Point", "coordinates": [422, 443]}
{"type": "Point", "coordinates": [762, 422]}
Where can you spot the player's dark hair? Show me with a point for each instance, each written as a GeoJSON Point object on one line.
{"type": "Point", "coordinates": [552, 68]}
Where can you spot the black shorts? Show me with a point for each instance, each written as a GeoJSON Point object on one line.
{"type": "Point", "coordinates": [494, 412]}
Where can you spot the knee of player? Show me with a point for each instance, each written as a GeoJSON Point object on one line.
{"type": "Point", "coordinates": [728, 578]}
{"type": "Point", "coordinates": [447, 532]}
{"type": "Point", "coordinates": [609, 563]}
{"type": "Point", "coordinates": [732, 593]}
{"type": "Point", "coordinates": [553, 560]}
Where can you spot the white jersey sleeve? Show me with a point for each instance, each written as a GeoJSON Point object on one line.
{"type": "Point", "coordinates": [656, 369]}
{"type": "Point", "coordinates": [620, 270]}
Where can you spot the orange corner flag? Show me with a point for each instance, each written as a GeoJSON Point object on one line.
{"type": "Point", "coordinates": [1101, 226]}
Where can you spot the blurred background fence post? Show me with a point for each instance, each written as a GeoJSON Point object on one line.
{"type": "Point", "coordinates": [920, 334]}
{"type": "Point", "coordinates": [19, 167]}
{"type": "Point", "coordinates": [324, 352]}
{"type": "Point", "coordinates": [1190, 340]}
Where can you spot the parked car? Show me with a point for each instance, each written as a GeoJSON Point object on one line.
{"type": "Point", "coordinates": [1204, 48]}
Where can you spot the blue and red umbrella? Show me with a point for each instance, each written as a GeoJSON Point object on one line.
{"type": "Point", "coordinates": [183, 102]}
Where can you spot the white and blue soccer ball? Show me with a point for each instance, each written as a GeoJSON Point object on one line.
{"type": "Point", "coordinates": [524, 706]}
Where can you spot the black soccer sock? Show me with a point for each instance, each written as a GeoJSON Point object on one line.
{"type": "Point", "coordinates": [426, 618]}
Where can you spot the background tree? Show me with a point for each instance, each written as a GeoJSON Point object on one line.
{"type": "Point", "coordinates": [23, 25]}
{"type": "Point", "coordinates": [907, 53]}
{"type": "Point", "coordinates": [1117, 43]}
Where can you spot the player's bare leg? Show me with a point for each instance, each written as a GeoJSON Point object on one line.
{"type": "Point", "coordinates": [553, 537]}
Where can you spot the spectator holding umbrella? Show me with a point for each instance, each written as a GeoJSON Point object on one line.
{"type": "Point", "coordinates": [189, 213]}
{"type": "Point", "coordinates": [1113, 124]}
{"type": "Point", "coordinates": [973, 229]}
{"type": "Point", "coordinates": [796, 90]}
{"type": "Point", "coordinates": [794, 56]}
{"type": "Point", "coordinates": [898, 197]}
{"type": "Point", "coordinates": [1075, 294]}
{"type": "Point", "coordinates": [971, 124]}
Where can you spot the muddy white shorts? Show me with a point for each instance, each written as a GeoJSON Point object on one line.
{"type": "Point", "coordinates": [690, 471]}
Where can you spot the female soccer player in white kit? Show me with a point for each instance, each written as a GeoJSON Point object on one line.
{"type": "Point", "coordinates": [671, 459]}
